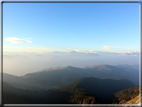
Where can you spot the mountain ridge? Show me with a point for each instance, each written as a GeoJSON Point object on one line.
{"type": "Point", "coordinates": [77, 92]}
{"type": "Point", "coordinates": [61, 76]}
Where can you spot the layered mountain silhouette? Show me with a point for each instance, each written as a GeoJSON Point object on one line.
{"type": "Point", "coordinates": [60, 76]}
{"type": "Point", "coordinates": [101, 84]}
{"type": "Point", "coordinates": [84, 91]}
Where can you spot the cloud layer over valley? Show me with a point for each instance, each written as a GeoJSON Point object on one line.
{"type": "Point", "coordinates": [20, 63]}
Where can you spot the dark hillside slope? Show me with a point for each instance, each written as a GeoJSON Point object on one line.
{"type": "Point", "coordinates": [12, 95]}
{"type": "Point", "coordinates": [100, 88]}
{"type": "Point", "coordinates": [125, 95]}
{"type": "Point", "coordinates": [87, 90]}
{"type": "Point", "coordinates": [23, 83]}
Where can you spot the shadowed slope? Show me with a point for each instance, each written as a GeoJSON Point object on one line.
{"type": "Point", "coordinates": [100, 88]}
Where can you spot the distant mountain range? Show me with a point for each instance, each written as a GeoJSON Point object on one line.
{"type": "Point", "coordinates": [123, 66]}
{"type": "Point", "coordinates": [61, 76]}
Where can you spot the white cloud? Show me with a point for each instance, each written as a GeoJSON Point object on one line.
{"type": "Point", "coordinates": [17, 40]}
{"type": "Point", "coordinates": [77, 50]}
{"type": "Point", "coordinates": [135, 53]}
{"type": "Point", "coordinates": [110, 47]}
{"type": "Point", "coordinates": [93, 51]}
{"type": "Point", "coordinates": [106, 47]}
{"type": "Point", "coordinates": [68, 48]}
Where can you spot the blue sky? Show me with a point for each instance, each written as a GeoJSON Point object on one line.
{"type": "Point", "coordinates": [41, 35]}
{"type": "Point", "coordinates": [82, 26]}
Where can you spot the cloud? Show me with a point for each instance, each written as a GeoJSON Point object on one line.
{"type": "Point", "coordinates": [58, 52]}
{"type": "Point", "coordinates": [83, 53]}
{"type": "Point", "coordinates": [77, 50]}
{"type": "Point", "coordinates": [17, 40]}
{"type": "Point", "coordinates": [134, 53]}
{"type": "Point", "coordinates": [68, 48]}
{"type": "Point", "coordinates": [92, 54]}
{"type": "Point", "coordinates": [93, 51]}
{"type": "Point", "coordinates": [26, 62]}
{"type": "Point", "coordinates": [106, 47]}
{"type": "Point", "coordinates": [73, 52]}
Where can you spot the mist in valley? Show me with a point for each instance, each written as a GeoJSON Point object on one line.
{"type": "Point", "coordinates": [22, 63]}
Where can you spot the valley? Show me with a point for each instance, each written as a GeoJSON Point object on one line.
{"type": "Point", "coordinates": [103, 84]}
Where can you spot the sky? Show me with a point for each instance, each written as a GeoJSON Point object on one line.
{"type": "Point", "coordinates": [41, 35]}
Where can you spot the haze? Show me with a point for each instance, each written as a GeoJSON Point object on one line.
{"type": "Point", "coordinates": [17, 64]}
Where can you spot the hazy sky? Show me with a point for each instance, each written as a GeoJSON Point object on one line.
{"type": "Point", "coordinates": [42, 35]}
